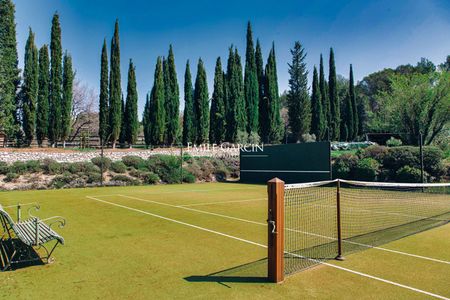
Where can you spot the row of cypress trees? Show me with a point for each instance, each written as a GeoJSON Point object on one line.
{"type": "Point", "coordinates": [38, 106]}
{"type": "Point", "coordinates": [118, 119]}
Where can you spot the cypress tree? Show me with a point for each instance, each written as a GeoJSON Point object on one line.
{"type": "Point", "coordinates": [131, 110]}
{"type": "Point", "coordinates": [166, 101]}
{"type": "Point", "coordinates": [172, 99]}
{"type": "Point", "coordinates": [188, 115]}
{"type": "Point", "coordinates": [317, 115]}
{"type": "Point", "coordinates": [217, 115]}
{"type": "Point", "coordinates": [324, 98]}
{"type": "Point", "coordinates": [55, 117]}
{"type": "Point", "coordinates": [146, 121]}
{"type": "Point", "coordinates": [262, 105]}
{"type": "Point", "coordinates": [230, 106]}
{"type": "Point", "coordinates": [30, 89]}
{"type": "Point", "coordinates": [347, 119]}
{"type": "Point", "coordinates": [201, 104]}
{"type": "Point", "coordinates": [66, 105]}
{"type": "Point", "coordinates": [115, 90]}
{"type": "Point", "coordinates": [42, 101]}
{"type": "Point", "coordinates": [122, 135]}
{"type": "Point", "coordinates": [334, 101]}
{"type": "Point", "coordinates": [298, 100]}
{"type": "Point", "coordinates": [354, 105]}
{"type": "Point", "coordinates": [157, 108]}
{"type": "Point", "coordinates": [241, 111]}
{"type": "Point", "coordinates": [275, 128]}
{"type": "Point", "coordinates": [9, 71]}
{"type": "Point", "coordinates": [251, 85]}
{"type": "Point", "coordinates": [104, 96]}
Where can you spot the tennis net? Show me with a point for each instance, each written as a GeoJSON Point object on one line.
{"type": "Point", "coordinates": [325, 220]}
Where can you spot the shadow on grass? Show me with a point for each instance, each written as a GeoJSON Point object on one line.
{"type": "Point", "coordinates": [254, 272]}
{"type": "Point", "coordinates": [25, 255]}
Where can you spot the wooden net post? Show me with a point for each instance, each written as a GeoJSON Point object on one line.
{"type": "Point", "coordinates": [275, 220]}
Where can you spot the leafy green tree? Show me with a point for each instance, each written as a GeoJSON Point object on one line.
{"type": "Point", "coordinates": [251, 89]}
{"type": "Point", "coordinates": [271, 92]}
{"type": "Point", "coordinates": [43, 94]}
{"type": "Point", "coordinates": [66, 105]}
{"type": "Point", "coordinates": [172, 99]}
{"type": "Point", "coordinates": [131, 109]}
{"type": "Point", "coordinates": [217, 115]}
{"type": "Point", "coordinates": [417, 103]}
{"type": "Point", "coordinates": [56, 70]}
{"type": "Point", "coordinates": [157, 108]}
{"type": "Point", "coordinates": [297, 98]}
{"type": "Point", "coordinates": [146, 121]}
{"type": "Point", "coordinates": [324, 98]}
{"type": "Point", "coordinates": [262, 105]}
{"type": "Point", "coordinates": [334, 100]}
{"type": "Point", "coordinates": [188, 115]}
{"type": "Point", "coordinates": [317, 115]}
{"type": "Point", "coordinates": [103, 130]}
{"type": "Point", "coordinates": [352, 95]}
{"type": "Point", "coordinates": [30, 89]}
{"type": "Point", "coordinates": [445, 66]}
{"type": "Point", "coordinates": [115, 89]}
{"type": "Point", "coordinates": [201, 104]}
{"type": "Point", "coordinates": [9, 71]}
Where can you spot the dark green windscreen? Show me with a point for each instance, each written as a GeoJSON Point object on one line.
{"type": "Point", "coordinates": [293, 163]}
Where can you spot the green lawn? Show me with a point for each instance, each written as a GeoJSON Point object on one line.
{"type": "Point", "coordinates": [123, 248]}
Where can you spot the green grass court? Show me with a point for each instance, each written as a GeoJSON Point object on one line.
{"type": "Point", "coordinates": [204, 241]}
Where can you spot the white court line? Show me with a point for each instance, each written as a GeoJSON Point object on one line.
{"type": "Point", "coordinates": [224, 202]}
{"type": "Point", "coordinates": [264, 246]}
{"type": "Point", "coordinates": [293, 230]}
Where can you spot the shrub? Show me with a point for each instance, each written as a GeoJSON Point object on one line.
{"type": "Point", "coordinates": [149, 178]}
{"type": "Point", "coordinates": [98, 162]}
{"type": "Point", "coordinates": [33, 166]}
{"type": "Point", "coordinates": [254, 138]}
{"type": "Point", "coordinates": [393, 142]}
{"type": "Point", "coordinates": [343, 166]}
{"type": "Point", "coordinates": [376, 152]}
{"type": "Point", "coordinates": [118, 167]}
{"type": "Point", "coordinates": [366, 169]}
{"type": "Point", "coordinates": [133, 161]}
{"type": "Point", "coordinates": [51, 167]}
{"type": "Point", "coordinates": [18, 167]}
{"type": "Point", "coordinates": [188, 177]}
{"type": "Point", "coordinates": [93, 177]}
{"type": "Point", "coordinates": [241, 137]}
{"type": "Point", "coordinates": [167, 167]}
{"type": "Point", "coordinates": [398, 157]}
{"type": "Point", "coordinates": [62, 180]}
{"type": "Point", "coordinates": [125, 179]}
{"type": "Point", "coordinates": [408, 174]}
{"type": "Point", "coordinates": [308, 138]}
{"type": "Point", "coordinates": [433, 162]}
{"type": "Point", "coordinates": [11, 177]}
{"type": "Point", "coordinates": [4, 168]}
{"type": "Point", "coordinates": [82, 167]}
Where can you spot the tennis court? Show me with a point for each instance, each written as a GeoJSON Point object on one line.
{"type": "Point", "coordinates": [208, 240]}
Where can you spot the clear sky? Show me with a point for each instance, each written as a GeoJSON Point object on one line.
{"type": "Point", "coordinates": [371, 35]}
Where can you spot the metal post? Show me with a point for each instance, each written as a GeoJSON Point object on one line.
{"type": "Point", "coordinates": [18, 213]}
{"type": "Point", "coordinates": [339, 229]}
{"type": "Point", "coordinates": [275, 220]}
{"type": "Point", "coordinates": [422, 174]}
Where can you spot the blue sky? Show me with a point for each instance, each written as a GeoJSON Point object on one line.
{"type": "Point", "coordinates": [371, 35]}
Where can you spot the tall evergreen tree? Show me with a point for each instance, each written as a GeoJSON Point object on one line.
{"type": "Point", "coordinates": [230, 106]}
{"type": "Point", "coordinates": [131, 109]}
{"type": "Point", "coordinates": [9, 71]}
{"type": "Point", "coordinates": [66, 105]}
{"type": "Point", "coordinates": [334, 100]}
{"type": "Point", "coordinates": [122, 135]}
{"type": "Point", "coordinates": [56, 70]}
{"type": "Point", "coordinates": [43, 93]}
{"type": "Point", "coordinates": [241, 110]}
{"type": "Point", "coordinates": [262, 105]}
{"type": "Point", "coordinates": [251, 85]}
{"type": "Point", "coordinates": [275, 129]}
{"type": "Point", "coordinates": [324, 98]}
{"type": "Point", "coordinates": [146, 121]}
{"type": "Point", "coordinates": [317, 115]}
{"type": "Point", "coordinates": [166, 101]}
{"type": "Point", "coordinates": [103, 129]}
{"type": "Point", "coordinates": [188, 115]}
{"type": "Point", "coordinates": [115, 89]}
{"type": "Point", "coordinates": [30, 89]}
{"type": "Point", "coordinates": [217, 115]}
{"type": "Point", "coordinates": [157, 108]}
{"type": "Point", "coordinates": [201, 104]}
{"type": "Point", "coordinates": [172, 99]}
{"type": "Point", "coordinates": [352, 95]}
{"type": "Point", "coordinates": [297, 98]}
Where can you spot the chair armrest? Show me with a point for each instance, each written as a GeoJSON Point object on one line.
{"type": "Point", "coordinates": [60, 221]}
{"type": "Point", "coordinates": [19, 206]}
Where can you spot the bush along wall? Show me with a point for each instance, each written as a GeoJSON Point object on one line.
{"type": "Point", "coordinates": [394, 164]}
{"type": "Point", "coordinates": [131, 170]}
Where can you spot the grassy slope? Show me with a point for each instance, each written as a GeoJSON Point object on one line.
{"type": "Point", "coordinates": [116, 253]}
